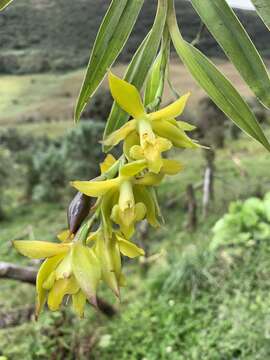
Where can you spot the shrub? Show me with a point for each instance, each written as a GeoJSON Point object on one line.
{"type": "Point", "coordinates": [81, 152]}
{"type": "Point", "coordinates": [100, 106]}
{"type": "Point", "coordinates": [245, 224]}
{"type": "Point", "coordinates": [48, 167]}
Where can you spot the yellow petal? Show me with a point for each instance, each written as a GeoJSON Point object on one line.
{"type": "Point", "coordinates": [122, 280]}
{"type": "Point", "coordinates": [174, 134]}
{"type": "Point", "coordinates": [131, 140]}
{"type": "Point", "coordinates": [47, 267]}
{"type": "Point", "coordinates": [87, 271]}
{"type": "Point", "coordinates": [59, 290]}
{"type": "Point", "coordinates": [64, 269]}
{"type": "Point", "coordinates": [136, 152]}
{"type": "Point", "coordinates": [140, 211]}
{"type": "Point", "coordinates": [115, 137]}
{"type": "Point", "coordinates": [133, 168]}
{"type": "Point", "coordinates": [40, 249]}
{"type": "Point", "coordinates": [65, 235]}
{"type": "Point", "coordinates": [128, 248]}
{"type": "Point", "coordinates": [150, 179]}
{"type": "Point", "coordinates": [182, 125]}
{"type": "Point", "coordinates": [116, 260]}
{"type": "Point", "coordinates": [96, 188]}
{"type": "Point", "coordinates": [107, 204]}
{"type": "Point", "coordinates": [78, 303]}
{"type": "Point", "coordinates": [108, 270]}
{"type": "Point", "coordinates": [107, 163]}
{"type": "Point", "coordinates": [171, 167]}
{"type": "Point", "coordinates": [143, 195]}
{"type": "Point", "coordinates": [171, 111]}
{"type": "Point", "coordinates": [49, 282]}
{"type": "Point", "coordinates": [126, 96]}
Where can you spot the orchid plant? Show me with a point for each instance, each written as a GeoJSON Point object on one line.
{"type": "Point", "coordinates": [101, 232]}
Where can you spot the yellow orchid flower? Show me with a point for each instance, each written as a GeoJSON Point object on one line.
{"type": "Point", "coordinates": [109, 251]}
{"type": "Point", "coordinates": [157, 131]}
{"type": "Point", "coordinates": [68, 269]}
{"type": "Point", "coordinates": [125, 212]}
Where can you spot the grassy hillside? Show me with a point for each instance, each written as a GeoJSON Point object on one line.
{"type": "Point", "coordinates": [51, 97]}
{"type": "Point", "coordinates": [42, 35]}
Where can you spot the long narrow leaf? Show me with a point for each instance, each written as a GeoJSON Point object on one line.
{"type": "Point", "coordinates": [263, 9]}
{"type": "Point", "coordinates": [139, 66]}
{"type": "Point", "coordinates": [112, 36]}
{"type": "Point", "coordinates": [4, 4]}
{"type": "Point", "coordinates": [217, 86]}
{"type": "Point", "coordinates": [156, 79]}
{"type": "Point", "coordinates": [232, 37]}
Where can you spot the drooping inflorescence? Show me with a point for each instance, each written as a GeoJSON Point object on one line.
{"type": "Point", "coordinates": [90, 251]}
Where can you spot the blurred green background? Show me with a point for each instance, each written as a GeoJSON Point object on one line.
{"type": "Point", "coordinates": [202, 292]}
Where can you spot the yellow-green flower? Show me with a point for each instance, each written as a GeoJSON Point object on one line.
{"type": "Point", "coordinates": [152, 133]}
{"type": "Point", "coordinates": [69, 269]}
{"type": "Point", "coordinates": [125, 211]}
{"type": "Point", "coordinates": [109, 251]}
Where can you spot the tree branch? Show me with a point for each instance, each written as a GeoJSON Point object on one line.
{"type": "Point", "coordinates": [16, 272]}
{"type": "Point", "coordinates": [28, 275]}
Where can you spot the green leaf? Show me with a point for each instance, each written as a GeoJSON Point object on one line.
{"type": "Point", "coordinates": [217, 86]}
{"type": "Point", "coordinates": [112, 36]}
{"type": "Point", "coordinates": [87, 271]}
{"type": "Point", "coordinates": [139, 66]}
{"type": "Point", "coordinates": [232, 37]}
{"type": "Point", "coordinates": [4, 4]}
{"type": "Point", "coordinates": [263, 9]}
{"type": "Point", "coordinates": [156, 79]}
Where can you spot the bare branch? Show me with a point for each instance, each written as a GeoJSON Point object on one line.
{"type": "Point", "coordinates": [28, 275]}
{"type": "Point", "coordinates": [16, 272]}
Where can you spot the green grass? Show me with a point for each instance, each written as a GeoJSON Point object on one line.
{"type": "Point", "coordinates": [38, 97]}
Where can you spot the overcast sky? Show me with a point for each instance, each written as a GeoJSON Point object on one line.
{"type": "Point", "coordinates": [244, 4]}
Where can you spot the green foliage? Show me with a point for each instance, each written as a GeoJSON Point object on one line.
{"type": "Point", "coordinates": [111, 38]}
{"type": "Point", "coordinates": [48, 166]}
{"type": "Point", "coordinates": [217, 86]}
{"type": "Point", "coordinates": [76, 157]}
{"type": "Point", "coordinates": [81, 150]}
{"type": "Point", "coordinates": [246, 223]}
{"type": "Point", "coordinates": [263, 9]}
{"type": "Point", "coordinates": [139, 67]}
{"type": "Point", "coordinates": [225, 318]}
{"type": "Point", "coordinates": [232, 37]}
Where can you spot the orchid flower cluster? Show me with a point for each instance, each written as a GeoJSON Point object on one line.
{"type": "Point", "coordinates": [89, 253]}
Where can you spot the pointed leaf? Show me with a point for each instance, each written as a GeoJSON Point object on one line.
{"type": "Point", "coordinates": [156, 79]}
{"type": "Point", "coordinates": [4, 4]}
{"type": "Point", "coordinates": [263, 9]}
{"type": "Point", "coordinates": [232, 37]}
{"type": "Point", "coordinates": [139, 66]}
{"type": "Point", "coordinates": [112, 36]}
{"type": "Point", "coordinates": [217, 86]}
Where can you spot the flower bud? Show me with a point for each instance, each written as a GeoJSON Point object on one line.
{"type": "Point", "coordinates": [77, 211]}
